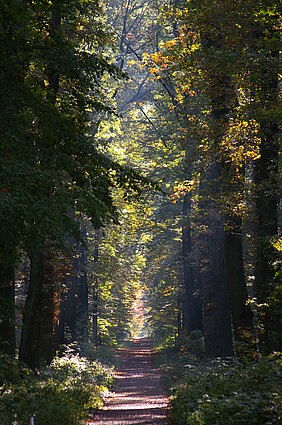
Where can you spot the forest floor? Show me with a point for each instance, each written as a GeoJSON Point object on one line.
{"type": "Point", "coordinates": [138, 398]}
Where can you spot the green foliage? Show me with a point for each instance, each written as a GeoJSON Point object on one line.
{"type": "Point", "coordinates": [52, 99]}
{"type": "Point", "coordinates": [62, 393]}
{"type": "Point", "coordinates": [193, 344]}
{"type": "Point", "coordinates": [119, 271]}
{"type": "Point", "coordinates": [222, 392]}
{"type": "Point", "coordinates": [141, 256]}
{"type": "Point", "coordinates": [104, 352]}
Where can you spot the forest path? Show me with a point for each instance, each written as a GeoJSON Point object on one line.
{"type": "Point", "coordinates": [139, 398]}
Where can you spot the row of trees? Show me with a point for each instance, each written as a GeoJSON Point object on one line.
{"type": "Point", "coordinates": [197, 112]}
{"type": "Point", "coordinates": [207, 125]}
{"type": "Point", "coordinates": [223, 69]}
{"type": "Point", "coordinates": [55, 71]}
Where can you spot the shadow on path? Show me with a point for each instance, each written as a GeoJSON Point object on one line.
{"type": "Point", "coordinates": [139, 397]}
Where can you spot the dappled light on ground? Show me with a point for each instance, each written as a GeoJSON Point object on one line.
{"type": "Point", "coordinates": [139, 397]}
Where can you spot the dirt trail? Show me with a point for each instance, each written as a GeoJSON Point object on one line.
{"type": "Point", "coordinates": [139, 398]}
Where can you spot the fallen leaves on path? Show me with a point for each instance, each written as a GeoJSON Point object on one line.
{"type": "Point", "coordinates": [139, 398]}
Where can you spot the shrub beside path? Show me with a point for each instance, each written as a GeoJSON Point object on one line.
{"type": "Point", "coordinates": [139, 398]}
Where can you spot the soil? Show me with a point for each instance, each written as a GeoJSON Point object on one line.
{"type": "Point", "coordinates": [138, 398]}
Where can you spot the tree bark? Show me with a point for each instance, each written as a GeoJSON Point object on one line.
{"type": "Point", "coordinates": [47, 330]}
{"type": "Point", "coordinates": [216, 312]}
{"type": "Point", "coordinates": [95, 293]}
{"type": "Point", "coordinates": [72, 323]}
{"type": "Point", "coordinates": [71, 306]}
{"type": "Point", "coordinates": [29, 353]}
{"type": "Point", "coordinates": [30, 340]}
{"type": "Point", "coordinates": [192, 308]}
{"type": "Point", "coordinates": [60, 337]}
{"type": "Point", "coordinates": [95, 313]}
{"type": "Point", "coordinates": [82, 287]}
{"type": "Point", "coordinates": [267, 198]}
{"type": "Point", "coordinates": [48, 306]}
{"type": "Point", "coordinates": [242, 318]}
{"type": "Point", "coordinates": [179, 316]}
{"type": "Point", "coordinates": [266, 210]}
{"type": "Point", "coordinates": [7, 306]}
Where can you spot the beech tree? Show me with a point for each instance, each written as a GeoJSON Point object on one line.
{"type": "Point", "coordinates": [95, 97]}
{"type": "Point", "coordinates": [52, 164]}
{"type": "Point", "coordinates": [223, 128]}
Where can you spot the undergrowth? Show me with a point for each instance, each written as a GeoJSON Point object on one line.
{"type": "Point", "coordinates": [221, 392]}
{"type": "Point", "coordinates": [62, 393]}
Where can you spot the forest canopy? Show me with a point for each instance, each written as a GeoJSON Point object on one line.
{"type": "Point", "coordinates": [139, 182]}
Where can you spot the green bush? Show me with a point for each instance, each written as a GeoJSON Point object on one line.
{"type": "Point", "coordinates": [223, 392]}
{"type": "Point", "coordinates": [62, 393]}
{"type": "Point", "coordinates": [105, 352]}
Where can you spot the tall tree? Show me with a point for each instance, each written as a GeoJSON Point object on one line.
{"type": "Point", "coordinates": [200, 51]}
{"type": "Point", "coordinates": [266, 169]}
{"type": "Point", "coordinates": [51, 163]}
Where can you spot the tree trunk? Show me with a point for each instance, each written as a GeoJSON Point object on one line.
{"type": "Point", "coordinates": [266, 176]}
{"type": "Point", "coordinates": [216, 311]}
{"type": "Point", "coordinates": [72, 323]}
{"type": "Point", "coordinates": [45, 345]}
{"type": "Point", "coordinates": [266, 210]}
{"type": "Point", "coordinates": [29, 353]}
{"type": "Point", "coordinates": [95, 313]}
{"type": "Point", "coordinates": [82, 288]}
{"type": "Point", "coordinates": [192, 308]}
{"type": "Point", "coordinates": [60, 339]}
{"type": "Point", "coordinates": [47, 335]}
{"type": "Point", "coordinates": [95, 293]}
{"type": "Point", "coordinates": [7, 309]}
{"type": "Point", "coordinates": [71, 307]}
{"type": "Point", "coordinates": [48, 306]}
{"type": "Point", "coordinates": [179, 317]}
{"type": "Point", "coordinates": [241, 313]}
